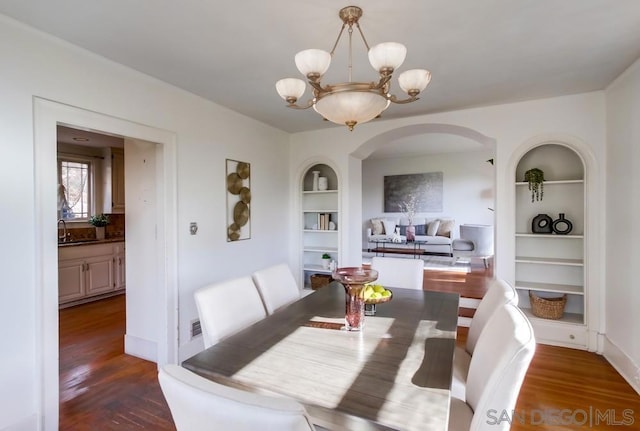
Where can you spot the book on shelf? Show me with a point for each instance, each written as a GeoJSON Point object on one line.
{"type": "Point", "coordinates": [323, 221]}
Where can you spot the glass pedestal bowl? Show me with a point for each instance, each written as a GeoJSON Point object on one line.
{"type": "Point", "coordinates": [353, 279]}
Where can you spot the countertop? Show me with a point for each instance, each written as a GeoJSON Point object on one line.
{"type": "Point", "coordinates": [90, 242]}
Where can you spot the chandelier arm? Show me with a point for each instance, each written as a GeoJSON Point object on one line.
{"type": "Point", "coordinates": [394, 99]}
{"type": "Point", "coordinates": [296, 106]}
{"type": "Point", "coordinates": [316, 86]}
{"type": "Point", "coordinates": [384, 80]}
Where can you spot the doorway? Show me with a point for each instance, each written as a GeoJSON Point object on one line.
{"type": "Point", "coordinates": [151, 335]}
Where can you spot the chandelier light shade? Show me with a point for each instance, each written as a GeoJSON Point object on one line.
{"type": "Point", "coordinates": [352, 103]}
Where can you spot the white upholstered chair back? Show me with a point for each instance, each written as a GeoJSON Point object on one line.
{"type": "Point", "coordinates": [399, 272]}
{"type": "Point", "coordinates": [227, 307]}
{"type": "Point", "coordinates": [499, 293]}
{"type": "Point", "coordinates": [498, 367]}
{"type": "Point", "coordinates": [277, 286]}
{"type": "Point", "coordinates": [198, 404]}
{"type": "Point", "coordinates": [481, 236]}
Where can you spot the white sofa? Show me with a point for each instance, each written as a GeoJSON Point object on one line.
{"type": "Point", "coordinates": [437, 232]}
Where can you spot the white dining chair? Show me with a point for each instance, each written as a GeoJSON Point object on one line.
{"type": "Point", "coordinates": [399, 272]}
{"type": "Point", "coordinates": [499, 293]}
{"type": "Point", "coordinates": [227, 307]}
{"type": "Point", "coordinates": [496, 372]}
{"type": "Point", "coordinates": [199, 404]}
{"type": "Point", "coordinates": [277, 286]}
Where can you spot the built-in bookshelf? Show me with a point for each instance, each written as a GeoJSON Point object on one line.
{"type": "Point", "coordinates": [321, 221]}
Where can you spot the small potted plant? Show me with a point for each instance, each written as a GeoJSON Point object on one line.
{"type": "Point", "coordinates": [535, 178]}
{"type": "Point", "coordinates": [326, 260]}
{"type": "Point", "coordinates": [99, 221]}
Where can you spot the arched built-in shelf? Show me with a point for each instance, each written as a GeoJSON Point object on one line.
{"type": "Point", "coordinates": [551, 264]}
{"type": "Point", "coordinates": [320, 221]}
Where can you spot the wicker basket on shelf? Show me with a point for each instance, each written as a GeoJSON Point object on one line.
{"type": "Point", "coordinates": [547, 308]}
{"type": "Point", "coordinates": [320, 280]}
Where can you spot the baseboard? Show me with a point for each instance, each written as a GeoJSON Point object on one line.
{"type": "Point", "coordinates": [141, 348]}
{"type": "Point", "coordinates": [629, 370]}
{"type": "Point", "coordinates": [29, 423]}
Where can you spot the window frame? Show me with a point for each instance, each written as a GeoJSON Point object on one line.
{"type": "Point", "coordinates": [91, 179]}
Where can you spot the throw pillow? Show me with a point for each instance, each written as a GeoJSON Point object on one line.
{"type": "Point", "coordinates": [432, 228]}
{"type": "Point", "coordinates": [376, 227]}
{"type": "Point", "coordinates": [389, 226]}
{"type": "Point", "coordinates": [403, 230]}
{"type": "Point", "coordinates": [446, 226]}
{"type": "Point", "coordinates": [420, 229]}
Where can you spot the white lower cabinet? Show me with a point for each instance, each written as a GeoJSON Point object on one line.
{"type": "Point", "coordinates": [87, 271]}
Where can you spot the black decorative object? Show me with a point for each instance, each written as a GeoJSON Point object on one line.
{"type": "Point", "coordinates": [542, 224]}
{"type": "Point", "coordinates": [562, 226]}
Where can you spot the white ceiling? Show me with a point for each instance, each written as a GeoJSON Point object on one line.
{"type": "Point", "coordinates": [86, 138]}
{"type": "Point", "coordinates": [479, 52]}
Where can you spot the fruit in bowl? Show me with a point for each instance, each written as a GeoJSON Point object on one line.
{"type": "Point", "coordinates": [375, 293]}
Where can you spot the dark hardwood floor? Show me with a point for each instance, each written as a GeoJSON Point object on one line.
{"type": "Point", "coordinates": [101, 388]}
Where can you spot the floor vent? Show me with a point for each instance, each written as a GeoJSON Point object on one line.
{"type": "Point", "coordinates": [196, 328]}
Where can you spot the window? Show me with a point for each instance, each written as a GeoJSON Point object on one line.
{"type": "Point", "coordinates": [75, 185]}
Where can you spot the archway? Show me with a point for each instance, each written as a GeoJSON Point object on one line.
{"type": "Point", "coordinates": [465, 155]}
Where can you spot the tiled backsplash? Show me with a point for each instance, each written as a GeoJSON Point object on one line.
{"type": "Point", "coordinates": [115, 229]}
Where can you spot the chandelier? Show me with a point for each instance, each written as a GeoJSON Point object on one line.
{"type": "Point", "coordinates": [351, 102]}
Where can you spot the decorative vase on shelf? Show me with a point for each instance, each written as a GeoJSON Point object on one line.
{"type": "Point", "coordinates": [316, 175]}
{"type": "Point", "coordinates": [542, 224]}
{"type": "Point", "coordinates": [561, 225]}
{"type": "Point", "coordinates": [100, 232]}
{"type": "Point", "coordinates": [353, 279]}
{"type": "Point", "coordinates": [322, 183]}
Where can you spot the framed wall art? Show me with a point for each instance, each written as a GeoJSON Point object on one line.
{"type": "Point", "coordinates": [238, 200]}
{"type": "Point", "coordinates": [426, 188]}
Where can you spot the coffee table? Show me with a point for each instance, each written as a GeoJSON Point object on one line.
{"type": "Point", "coordinates": [387, 246]}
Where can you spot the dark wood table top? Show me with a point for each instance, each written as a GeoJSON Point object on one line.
{"type": "Point", "coordinates": [395, 374]}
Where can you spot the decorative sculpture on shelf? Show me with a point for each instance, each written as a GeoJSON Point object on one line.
{"type": "Point", "coordinates": [562, 226]}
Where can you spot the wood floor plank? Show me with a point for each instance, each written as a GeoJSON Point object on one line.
{"type": "Point", "coordinates": [101, 388]}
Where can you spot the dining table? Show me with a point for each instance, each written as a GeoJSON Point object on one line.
{"type": "Point", "coordinates": [393, 374]}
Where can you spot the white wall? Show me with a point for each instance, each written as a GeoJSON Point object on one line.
{"type": "Point", "coordinates": [36, 65]}
{"type": "Point", "coordinates": [623, 231]}
{"type": "Point", "coordinates": [467, 186]}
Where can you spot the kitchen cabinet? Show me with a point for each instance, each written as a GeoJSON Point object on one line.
{"type": "Point", "coordinates": [120, 266]}
{"type": "Point", "coordinates": [113, 184]}
{"type": "Point", "coordinates": [90, 271]}
{"type": "Point", "coordinates": [117, 180]}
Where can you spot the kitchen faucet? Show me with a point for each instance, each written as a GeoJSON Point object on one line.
{"type": "Point", "coordinates": [62, 238]}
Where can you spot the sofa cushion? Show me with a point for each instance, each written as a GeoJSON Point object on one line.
{"type": "Point", "coordinates": [389, 226]}
{"type": "Point", "coordinates": [376, 226]}
{"type": "Point", "coordinates": [446, 226]}
{"type": "Point", "coordinates": [403, 229]}
{"type": "Point", "coordinates": [434, 240]}
{"type": "Point", "coordinates": [432, 228]}
{"type": "Point", "coordinates": [420, 229]}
